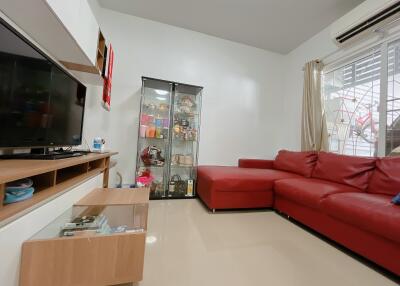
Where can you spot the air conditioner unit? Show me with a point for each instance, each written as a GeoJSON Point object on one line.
{"type": "Point", "coordinates": [366, 18]}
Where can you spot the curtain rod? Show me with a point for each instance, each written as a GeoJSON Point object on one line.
{"type": "Point", "coordinates": [337, 51]}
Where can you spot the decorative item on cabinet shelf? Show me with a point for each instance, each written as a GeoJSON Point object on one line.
{"type": "Point", "coordinates": [151, 156]}
{"type": "Point", "coordinates": [146, 119]}
{"type": "Point", "coordinates": [149, 108]}
{"type": "Point", "coordinates": [158, 122]}
{"type": "Point", "coordinates": [161, 109]}
{"type": "Point", "coordinates": [182, 160]}
{"type": "Point", "coordinates": [164, 133]}
{"type": "Point", "coordinates": [143, 130]}
{"type": "Point", "coordinates": [187, 116]}
{"type": "Point", "coordinates": [177, 186]}
{"type": "Point", "coordinates": [156, 188]}
{"type": "Point", "coordinates": [151, 131]}
{"type": "Point", "coordinates": [19, 190]}
{"type": "Point", "coordinates": [186, 104]}
{"type": "Point", "coordinates": [183, 131]}
{"type": "Point", "coordinates": [144, 177]}
{"type": "Point", "coordinates": [189, 192]}
{"type": "Point", "coordinates": [108, 80]}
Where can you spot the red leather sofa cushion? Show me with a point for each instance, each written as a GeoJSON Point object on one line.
{"type": "Point", "coordinates": [386, 177]}
{"type": "Point", "coordinates": [371, 212]}
{"type": "Point", "coordinates": [234, 179]}
{"type": "Point", "coordinates": [375, 247]}
{"type": "Point", "coordinates": [256, 163]}
{"type": "Point", "coordinates": [348, 170]}
{"type": "Point", "coordinates": [301, 163]}
{"type": "Point", "coordinates": [309, 192]}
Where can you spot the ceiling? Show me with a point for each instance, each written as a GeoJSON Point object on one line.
{"type": "Point", "coordinates": [275, 25]}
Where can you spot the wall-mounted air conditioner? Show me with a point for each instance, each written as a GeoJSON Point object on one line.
{"type": "Point", "coordinates": [366, 18]}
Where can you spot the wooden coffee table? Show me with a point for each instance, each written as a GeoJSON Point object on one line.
{"type": "Point", "coordinates": [92, 258]}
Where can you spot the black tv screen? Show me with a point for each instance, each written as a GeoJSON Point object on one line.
{"type": "Point", "coordinates": [41, 105]}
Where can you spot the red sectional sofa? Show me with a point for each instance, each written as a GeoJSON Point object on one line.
{"type": "Point", "coordinates": [345, 198]}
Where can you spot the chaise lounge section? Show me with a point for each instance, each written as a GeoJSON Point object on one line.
{"type": "Point", "coordinates": [234, 188]}
{"type": "Point", "coordinates": [345, 198]}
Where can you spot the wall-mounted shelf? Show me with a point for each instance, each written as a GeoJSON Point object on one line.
{"type": "Point", "coordinates": [50, 179]}
{"type": "Point", "coordinates": [101, 53]}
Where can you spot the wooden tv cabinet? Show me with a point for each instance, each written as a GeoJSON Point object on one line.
{"type": "Point", "coordinates": [51, 178]}
{"type": "Point", "coordinates": [91, 258]}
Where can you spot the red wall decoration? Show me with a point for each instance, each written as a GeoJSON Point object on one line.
{"type": "Point", "coordinates": [108, 80]}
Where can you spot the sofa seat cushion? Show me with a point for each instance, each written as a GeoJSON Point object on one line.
{"type": "Point", "coordinates": [309, 192]}
{"type": "Point", "coordinates": [386, 177]}
{"type": "Point", "coordinates": [349, 170]}
{"type": "Point", "coordinates": [370, 212]}
{"type": "Point", "coordinates": [234, 179]}
{"type": "Point", "coordinates": [301, 163]}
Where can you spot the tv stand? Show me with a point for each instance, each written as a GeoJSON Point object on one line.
{"type": "Point", "coordinates": [43, 154]}
{"type": "Point", "coordinates": [50, 179]}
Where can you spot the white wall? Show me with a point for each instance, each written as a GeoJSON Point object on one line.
{"type": "Point", "coordinates": [315, 48]}
{"type": "Point", "coordinates": [15, 233]}
{"type": "Point", "coordinates": [242, 96]}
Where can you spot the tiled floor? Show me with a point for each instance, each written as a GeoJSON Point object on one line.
{"type": "Point", "coordinates": [188, 246]}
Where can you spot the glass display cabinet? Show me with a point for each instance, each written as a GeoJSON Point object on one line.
{"type": "Point", "coordinates": [168, 139]}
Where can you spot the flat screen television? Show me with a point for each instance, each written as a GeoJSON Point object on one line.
{"type": "Point", "coordinates": [41, 105]}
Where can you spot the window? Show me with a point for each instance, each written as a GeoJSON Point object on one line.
{"type": "Point", "coordinates": [393, 100]}
{"type": "Point", "coordinates": [352, 96]}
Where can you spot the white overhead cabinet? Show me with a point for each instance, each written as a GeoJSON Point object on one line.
{"type": "Point", "coordinates": [66, 29]}
{"type": "Point", "coordinates": [79, 21]}
{"type": "Point", "coordinates": [87, 31]}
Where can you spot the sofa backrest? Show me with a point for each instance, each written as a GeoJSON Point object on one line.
{"type": "Point", "coordinates": [386, 177]}
{"type": "Point", "coordinates": [348, 170]}
{"type": "Point", "coordinates": [301, 163]}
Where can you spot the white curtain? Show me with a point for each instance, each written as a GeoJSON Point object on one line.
{"type": "Point", "coordinates": [314, 134]}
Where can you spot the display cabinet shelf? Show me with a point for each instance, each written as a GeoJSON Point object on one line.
{"type": "Point", "coordinates": [153, 138]}
{"type": "Point", "coordinates": [182, 166]}
{"type": "Point", "coordinates": [184, 140]}
{"type": "Point", "coordinates": [153, 167]}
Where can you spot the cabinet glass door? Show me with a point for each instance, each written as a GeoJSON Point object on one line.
{"type": "Point", "coordinates": [154, 136]}
{"type": "Point", "coordinates": [185, 114]}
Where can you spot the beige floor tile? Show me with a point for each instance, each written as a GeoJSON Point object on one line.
{"type": "Point", "coordinates": [189, 246]}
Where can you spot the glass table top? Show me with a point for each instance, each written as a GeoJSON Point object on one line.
{"type": "Point", "coordinates": [99, 220]}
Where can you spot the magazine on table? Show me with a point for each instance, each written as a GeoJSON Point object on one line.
{"type": "Point", "coordinates": [85, 225]}
{"type": "Point", "coordinates": [90, 225]}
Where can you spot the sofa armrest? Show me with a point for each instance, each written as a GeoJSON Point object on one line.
{"type": "Point", "coordinates": [256, 163]}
